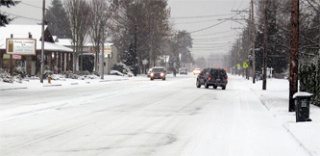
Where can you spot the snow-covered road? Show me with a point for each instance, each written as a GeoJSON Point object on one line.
{"type": "Point", "coordinates": [141, 117]}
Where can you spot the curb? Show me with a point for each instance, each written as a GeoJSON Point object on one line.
{"type": "Point", "coordinates": [52, 85]}
{"type": "Point", "coordinates": [5, 89]}
{"type": "Point", "coordinates": [113, 80]}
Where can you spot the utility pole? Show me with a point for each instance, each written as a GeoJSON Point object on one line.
{"type": "Point", "coordinates": [42, 42]}
{"type": "Point", "coordinates": [102, 52]}
{"type": "Point", "coordinates": [135, 50]}
{"type": "Point", "coordinates": [11, 60]}
{"type": "Point", "coordinates": [248, 46]}
{"type": "Point", "coordinates": [253, 44]}
{"type": "Point", "coordinates": [265, 46]}
{"type": "Point", "coordinates": [293, 79]}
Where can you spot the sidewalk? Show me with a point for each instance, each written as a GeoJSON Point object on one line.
{"type": "Point", "coordinates": [35, 83]}
{"type": "Point", "coordinates": [275, 98]}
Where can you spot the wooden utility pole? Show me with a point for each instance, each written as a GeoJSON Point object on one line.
{"type": "Point", "coordinates": [253, 30]}
{"type": "Point", "coordinates": [42, 42]}
{"type": "Point", "coordinates": [248, 46]}
{"type": "Point", "coordinates": [293, 79]}
{"type": "Point", "coordinates": [102, 51]}
{"type": "Point", "coordinates": [11, 60]}
{"type": "Point", "coordinates": [265, 46]}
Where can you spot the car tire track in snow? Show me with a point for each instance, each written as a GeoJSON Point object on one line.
{"type": "Point", "coordinates": [143, 117]}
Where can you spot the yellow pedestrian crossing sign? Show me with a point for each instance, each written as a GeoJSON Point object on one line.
{"type": "Point", "coordinates": [245, 64]}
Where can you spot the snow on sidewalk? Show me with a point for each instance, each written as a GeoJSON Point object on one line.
{"type": "Point", "coordinates": [275, 98]}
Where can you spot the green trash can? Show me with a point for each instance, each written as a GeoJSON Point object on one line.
{"type": "Point", "coordinates": [302, 106]}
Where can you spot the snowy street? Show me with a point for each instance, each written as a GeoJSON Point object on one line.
{"type": "Point", "coordinates": [136, 116]}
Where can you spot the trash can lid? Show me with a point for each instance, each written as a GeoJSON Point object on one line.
{"type": "Point", "coordinates": [302, 94]}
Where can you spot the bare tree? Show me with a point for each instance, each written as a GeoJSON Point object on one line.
{"type": "Point", "coordinates": [77, 13]}
{"type": "Point", "coordinates": [143, 25]}
{"type": "Point", "coordinates": [100, 14]}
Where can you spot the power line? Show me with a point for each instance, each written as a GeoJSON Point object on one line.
{"type": "Point", "coordinates": [207, 27]}
{"type": "Point", "coordinates": [194, 22]}
{"type": "Point", "coordinates": [204, 16]}
{"type": "Point", "coordinates": [204, 38]}
{"type": "Point", "coordinates": [31, 5]}
{"type": "Point", "coordinates": [212, 25]}
{"type": "Point", "coordinates": [223, 32]}
{"type": "Point", "coordinates": [19, 16]}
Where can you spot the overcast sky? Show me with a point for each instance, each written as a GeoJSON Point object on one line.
{"type": "Point", "coordinates": [199, 17]}
{"type": "Point", "coordinates": [196, 16]}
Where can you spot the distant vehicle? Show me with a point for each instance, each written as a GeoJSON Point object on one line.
{"type": "Point", "coordinates": [158, 73]}
{"type": "Point", "coordinates": [196, 71]}
{"type": "Point", "coordinates": [183, 71]}
{"type": "Point", "coordinates": [215, 77]}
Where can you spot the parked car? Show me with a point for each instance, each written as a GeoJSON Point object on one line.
{"type": "Point", "coordinates": [183, 71]}
{"type": "Point", "coordinates": [196, 71]}
{"type": "Point", "coordinates": [158, 73]}
{"type": "Point", "coordinates": [215, 77]}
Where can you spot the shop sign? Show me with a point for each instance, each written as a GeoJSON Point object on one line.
{"type": "Point", "coordinates": [21, 46]}
{"type": "Point", "coordinates": [15, 56]}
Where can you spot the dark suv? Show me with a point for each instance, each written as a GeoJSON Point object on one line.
{"type": "Point", "coordinates": [212, 77]}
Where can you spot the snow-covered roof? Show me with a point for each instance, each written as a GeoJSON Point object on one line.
{"type": "Point", "coordinates": [55, 38]}
{"type": "Point", "coordinates": [64, 41]}
{"type": "Point", "coordinates": [54, 47]}
{"type": "Point", "coordinates": [22, 31]}
{"type": "Point", "coordinates": [68, 42]}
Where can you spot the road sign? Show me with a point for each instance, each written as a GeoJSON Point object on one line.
{"type": "Point", "coordinates": [245, 64]}
{"type": "Point", "coordinates": [238, 66]}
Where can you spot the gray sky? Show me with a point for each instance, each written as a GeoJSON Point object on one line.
{"type": "Point", "coordinates": [195, 16]}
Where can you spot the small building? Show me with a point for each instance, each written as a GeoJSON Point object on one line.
{"type": "Point", "coordinates": [57, 58]}
{"type": "Point", "coordinates": [87, 56]}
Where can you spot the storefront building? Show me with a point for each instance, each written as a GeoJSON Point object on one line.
{"type": "Point", "coordinates": [57, 58]}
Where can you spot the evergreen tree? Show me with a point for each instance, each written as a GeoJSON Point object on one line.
{"type": "Point", "coordinates": [130, 59]}
{"type": "Point", "coordinates": [57, 20]}
{"type": "Point", "coordinates": [278, 49]}
{"type": "Point", "coordinates": [4, 19]}
{"type": "Point", "coordinates": [185, 42]}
